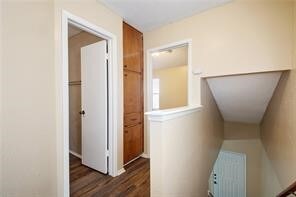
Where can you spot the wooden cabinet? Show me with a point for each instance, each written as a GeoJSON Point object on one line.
{"type": "Point", "coordinates": [132, 119]}
{"type": "Point", "coordinates": [132, 49]}
{"type": "Point", "coordinates": [133, 93]}
{"type": "Point", "coordinates": [133, 142]}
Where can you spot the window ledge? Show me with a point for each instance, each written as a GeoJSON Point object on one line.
{"type": "Point", "coordinates": [168, 114]}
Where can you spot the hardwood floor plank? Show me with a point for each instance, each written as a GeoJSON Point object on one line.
{"type": "Point", "coordinates": [86, 182]}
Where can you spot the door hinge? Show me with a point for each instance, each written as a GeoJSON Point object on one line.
{"type": "Point", "coordinates": [107, 153]}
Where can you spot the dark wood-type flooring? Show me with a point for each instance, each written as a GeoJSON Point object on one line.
{"type": "Point", "coordinates": [87, 182]}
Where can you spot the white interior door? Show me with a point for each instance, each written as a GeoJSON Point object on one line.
{"type": "Point", "coordinates": [94, 96]}
{"type": "Point", "coordinates": [229, 175]}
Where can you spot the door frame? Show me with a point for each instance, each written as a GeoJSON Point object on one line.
{"type": "Point", "coordinates": [68, 18]}
{"type": "Point", "coordinates": [149, 70]}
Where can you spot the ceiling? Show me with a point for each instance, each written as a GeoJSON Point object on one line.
{"type": "Point", "coordinates": [170, 58]}
{"type": "Point", "coordinates": [244, 98]}
{"type": "Point", "coordinates": [72, 31]}
{"type": "Point", "coordinates": [147, 15]}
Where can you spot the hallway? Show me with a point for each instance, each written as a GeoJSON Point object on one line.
{"type": "Point", "coordinates": [87, 182]}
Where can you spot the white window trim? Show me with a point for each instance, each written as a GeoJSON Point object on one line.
{"type": "Point", "coordinates": [149, 71]}
{"type": "Point", "coordinates": [155, 93]}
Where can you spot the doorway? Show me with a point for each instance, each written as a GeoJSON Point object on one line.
{"type": "Point", "coordinates": [88, 94]}
{"type": "Point", "coordinates": [229, 175]}
{"type": "Point", "coordinates": [106, 99]}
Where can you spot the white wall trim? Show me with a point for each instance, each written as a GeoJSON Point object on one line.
{"type": "Point", "coordinates": [169, 114]}
{"type": "Point", "coordinates": [121, 171]}
{"type": "Point", "coordinates": [149, 70]}
{"type": "Point", "coordinates": [75, 154]}
{"type": "Point", "coordinates": [132, 160]}
{"type": "Point", "coordinates": [63, 109]}
{"type": "Point", "coordinates": [145, 155]}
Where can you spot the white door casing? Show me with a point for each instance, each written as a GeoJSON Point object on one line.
{"type": "Point", "coordinates": [94, 100]}
{"type": "Point", "coordinates": [229, 175]}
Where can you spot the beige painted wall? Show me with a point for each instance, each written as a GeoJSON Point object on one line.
{"type": "Point", "coordinates": [32, 129]}
{"type": "Point", "coordinates": [173, 86]}
{"type": "Point", "coordinates": [245, 138]}
{"type": "Point", "coordinates": [75, 43]}
{"type": "Point", "coordinates": [278, 129]}
{"type": "Point", "coordinates": [261, 178]}
{"type": "Point", "coordinates": [29, 123]}
{"type": "Point", "coordinates": [191, 143]}
{"type": "Point", "coordinates": [238, 131]}
{"type": "Point", "coordinates": [1, 110]}
{"type": "Point", "coordinates": [240, 37]}
{"type": "Point", "coordinates": [270, 185]}
{"type": "Point", "coordinates": [279, 125]}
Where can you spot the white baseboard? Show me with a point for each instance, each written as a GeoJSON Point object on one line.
{"type": "Point", "coordinates": [133, 160]}
{"type": "Point", "coordinates": [121, 171]}
{"type": "Point", "coordinates": [75, 154]}
{"type": "Point", "coordinates": [144, 155]}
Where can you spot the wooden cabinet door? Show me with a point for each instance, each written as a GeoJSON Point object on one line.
{"type": "Point", "coordinates": [132, 48]}
{"type": "Point", "coordinates": [132, 92]}
{"type": "Point", "coordinates": [133, 142]}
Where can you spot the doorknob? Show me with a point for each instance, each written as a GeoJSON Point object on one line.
{"type": "Point", "coordinates": [82, 112]}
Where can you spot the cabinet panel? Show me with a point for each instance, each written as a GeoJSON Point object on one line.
{"type": "Point", "coordinates": [132, 119]}
{"type": "Point", "coordinates": [132, 49]}
{"type": "Point", "coordinates": [133, 142]}
{"type": "Point", "coordinates": [132, 92]}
